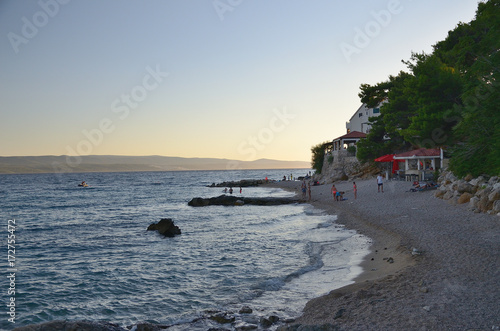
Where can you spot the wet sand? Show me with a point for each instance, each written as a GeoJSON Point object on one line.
{"type": "Point", "coordinates": [432, 266]}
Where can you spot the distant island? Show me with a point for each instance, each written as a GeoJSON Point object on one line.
{"type": "Point", "coordinates": [115, 163]}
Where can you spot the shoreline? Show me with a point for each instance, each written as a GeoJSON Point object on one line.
{"type": "Point", "coordinates": [452, 285]}
{"type": "Point", "coordinates": [448, 282]}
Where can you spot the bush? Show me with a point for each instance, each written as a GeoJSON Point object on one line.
{"type": "Point", "coordinates": [351, 150]}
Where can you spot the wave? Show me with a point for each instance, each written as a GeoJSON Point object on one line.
{"type": "Point", "coordinates": [314, 251]}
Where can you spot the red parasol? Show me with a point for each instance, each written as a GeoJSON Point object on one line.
{"type": "Point", "coordinates": [389, 158]}
{"type": "Point", "coordinates": [385, 158]}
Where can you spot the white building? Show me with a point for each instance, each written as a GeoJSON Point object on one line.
{"type": "Point", "coordinates": [359, 121]}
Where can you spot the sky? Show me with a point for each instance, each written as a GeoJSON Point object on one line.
{"type": "Point", "coordinates": [235, 79]}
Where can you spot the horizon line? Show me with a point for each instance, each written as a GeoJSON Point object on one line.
{"type": "Point", "coordinates": [154, 155]}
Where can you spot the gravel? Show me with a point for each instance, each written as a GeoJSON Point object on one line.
{"type": "Point", "coordinates": [445, 274]}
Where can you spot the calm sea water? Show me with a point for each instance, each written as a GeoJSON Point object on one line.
{"type": "Point", "coordinates": [84, 253]}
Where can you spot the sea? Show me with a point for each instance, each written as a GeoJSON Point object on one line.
{"type": "Point", "coordinates": [83, 253]}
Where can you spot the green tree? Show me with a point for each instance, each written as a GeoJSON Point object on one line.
{"type": "Point", "coordinates": [449, 98]}
{"type": "Point", "coordinates": [432, 93]}
{"type": "Point", "coordinates": [318, 157]}
{"type": "Point", "coordinates": [385, 134]}
{"type": "Point", "coordinates": [474, 49]}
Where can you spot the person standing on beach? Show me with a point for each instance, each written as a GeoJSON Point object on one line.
{"type": "Point", "coordinates": [303, 187]}
{"type": "Point", "coordinates": [334, 192]}
{"type": "Point", "coordinates": [380, 183]}
{"type": "Point", "coordinates": [355, 190]}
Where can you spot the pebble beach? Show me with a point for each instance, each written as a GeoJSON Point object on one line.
{"type": "Point", "coordinates": [432, 266]}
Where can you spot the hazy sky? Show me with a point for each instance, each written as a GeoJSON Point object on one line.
{"type": "Point", "coordinates": [239, 79]}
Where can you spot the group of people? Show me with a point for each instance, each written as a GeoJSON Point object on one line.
{"type": "Point", "coordinates": [306, 177]}
{"type": "Point", "coordinates": [339, 195]}
{"type": "Point", "coordinates": [231, 190]}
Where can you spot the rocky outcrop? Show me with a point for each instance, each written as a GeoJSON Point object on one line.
{"type": "Point", "coordinates": [165, 227]}
{"type": "Point", "coordinates": [223, 318]}
{"type": "Point", "coordinates": [341, 165]}
{"type": "Point", "coordinates": [89, 326]}
{"type": "Point", "coordinates": [246, 319]}
{"type": "Point", "coordinates": [228, 200]}
{"type": "Point", "coordinates": [72, 325]}
{"type": "Point", "coordinates": [241, 183]}
{"type": "Point", "coordinates": [482, 194]}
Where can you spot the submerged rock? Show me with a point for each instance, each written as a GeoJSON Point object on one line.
{"type": "Point", "coordinates": [268, 321]}
{"type": "Point", "coordinates": [223, 318]}
{"type": "Point", "coordinates": [165, 227]}
{"type": "Point", "coordinates": [72, 325]}
{"type": "Point", "coordinates": [148, 327]}
{"type": "Point", "coordinates": [245, 327]}
{"type": "Point", "coordinates": [246, 310]}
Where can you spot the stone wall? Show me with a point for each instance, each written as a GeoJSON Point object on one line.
{"type": "Point", "coordinates": [482, 194]}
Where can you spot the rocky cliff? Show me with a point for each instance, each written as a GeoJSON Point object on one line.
{"type": "Point", "coordinates": [342, 165]}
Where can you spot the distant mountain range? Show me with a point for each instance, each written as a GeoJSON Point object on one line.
{"type": "Point", "coordinates": [113, 163]}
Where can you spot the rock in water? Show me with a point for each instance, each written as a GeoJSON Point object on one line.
{"type": "Point", "coordinates": [228, 200]}
{"type": "Point", "coordinates": [72, 325]}
{"type": "Point", "coordinates": [223, 318]}
{"type": "Point", "coordinates": [165, 227]}
{"type": "Point", "coordinates": [246, 310]}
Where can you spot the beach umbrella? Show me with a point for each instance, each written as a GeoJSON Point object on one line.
{"type": "Point", "coordinates": [395, 166]}
{"type": "Point", "coordinates": [389, 158]}
{"type": "Point", "coordinates": [385, 158]}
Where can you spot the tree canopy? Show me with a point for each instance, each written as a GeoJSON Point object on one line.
{"type": "Point", "coordinates": [449, 99]}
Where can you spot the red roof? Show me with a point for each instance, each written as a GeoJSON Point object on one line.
{"type": "Point", "coordinates": [352, 135]}
{"type": "Point", "coordinates": [421, 152]}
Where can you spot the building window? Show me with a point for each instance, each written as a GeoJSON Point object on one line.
{"type": "Point", "coordinates": [360, 114]}
{"type": "Point", "coordinates": [376, 110]}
